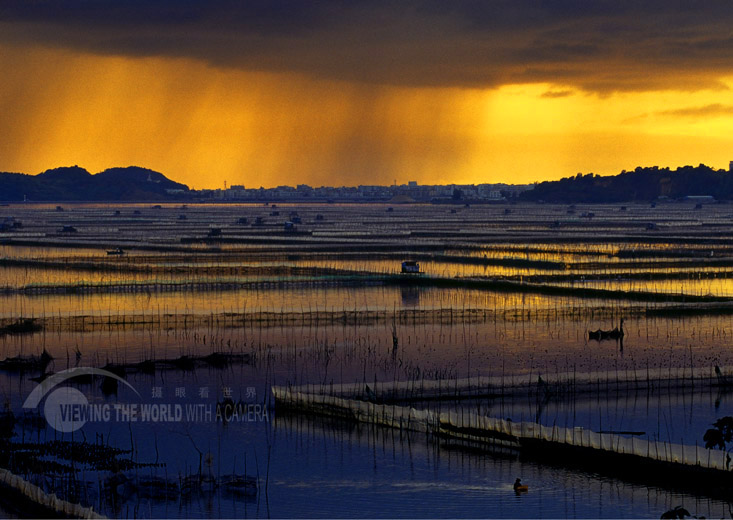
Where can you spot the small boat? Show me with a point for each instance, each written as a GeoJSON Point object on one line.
{"type": "Point", "coordinates": [239, 484]}
{"type": "Point", "coordinates": [600, 335]}
{"type": "Point", "coordinates": [410, 267]}
{"type": "Point", "coordinates": [197, 484]}
{"type": "Point", "coordinates": [21, 326]}
{"type": "Point", "coordinates": [117, 251]}
{"type": "Point", "coordinates": [519, 487]}
{"type": "Point", "coordinates": [156, 488]}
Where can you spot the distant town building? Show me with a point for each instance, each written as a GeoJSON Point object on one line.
{"type": "Point", "coordinates": [412, 191]}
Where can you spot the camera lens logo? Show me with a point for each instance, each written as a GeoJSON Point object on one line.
{"type": "Point", "coordinates": [66, 408]}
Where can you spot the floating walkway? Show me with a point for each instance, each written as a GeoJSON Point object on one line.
{"type": "Point", "coordinates": [658, 460]}
{"type": "Point", "coordinates": [533, 383]}
{"type": "Point", "coordinates": [33, 501]}
{"type": "Point", "coordinates": [477, 428]}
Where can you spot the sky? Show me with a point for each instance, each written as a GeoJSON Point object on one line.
{"type": "Point", "coordinates": [268, 93]}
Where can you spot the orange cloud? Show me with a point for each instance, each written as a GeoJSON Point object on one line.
{"type": "Point", "coordinates": [202, 125]}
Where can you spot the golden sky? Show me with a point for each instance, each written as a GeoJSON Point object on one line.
{"type": "Point", "coordinates": [264, 121]}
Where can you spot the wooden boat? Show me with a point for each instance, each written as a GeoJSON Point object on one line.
{"type": "Point", "coordinates": [117, 251]}
{"type": "Point", "coordinates": [239, 484]}
{"type": "Point", "coordinates": [410, 267]}
{"type": "Point", "coordinates": [600, 335]}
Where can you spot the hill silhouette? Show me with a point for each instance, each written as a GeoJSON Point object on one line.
{"type": "Point", "coordinates": [77, 184]}
{"type": "Point", "coordinates": [643, 184]}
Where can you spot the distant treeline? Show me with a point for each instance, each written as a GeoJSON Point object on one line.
{"type": "Point", "coordinates": [642, 184]}
{"type": "Point", "coordinates": [75, 183]}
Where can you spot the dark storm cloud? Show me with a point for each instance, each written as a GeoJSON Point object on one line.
{"type": "Point", "coordinates": [598, 46]}
{"type": "Point", "coordinates": [552, 94]}
{"type": "Point", "coordinates": [714, 109]}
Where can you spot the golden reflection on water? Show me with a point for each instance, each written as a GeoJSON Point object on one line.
{"type": "Point", "coordinates": [265, 287]}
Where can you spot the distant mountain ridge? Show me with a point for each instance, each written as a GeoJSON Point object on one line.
{"type": "Point", "coordinates": [642, 184]}
{"type": "Point", "coordinates": [74, 183]}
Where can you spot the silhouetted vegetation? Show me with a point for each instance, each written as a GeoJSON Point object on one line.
{"type": "Point", "coordinates": [642, 184]}
{"type": "Point", "coordinates": [721, 435]}
{"type": "Point", "coordinates": [75, 183]}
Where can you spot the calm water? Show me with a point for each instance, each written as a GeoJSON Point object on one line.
{"type": "Point", "coordinates": [319, 468]}
{"type": "Point", "coordinates": [319, 331]}
{"type": "Point", "coordinates": [314, 350]}
{"type": "Point", "coordinates": [312, 467]}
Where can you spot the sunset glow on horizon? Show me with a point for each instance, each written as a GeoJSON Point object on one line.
{"type": "Point", "coordinates": [203, 123]}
